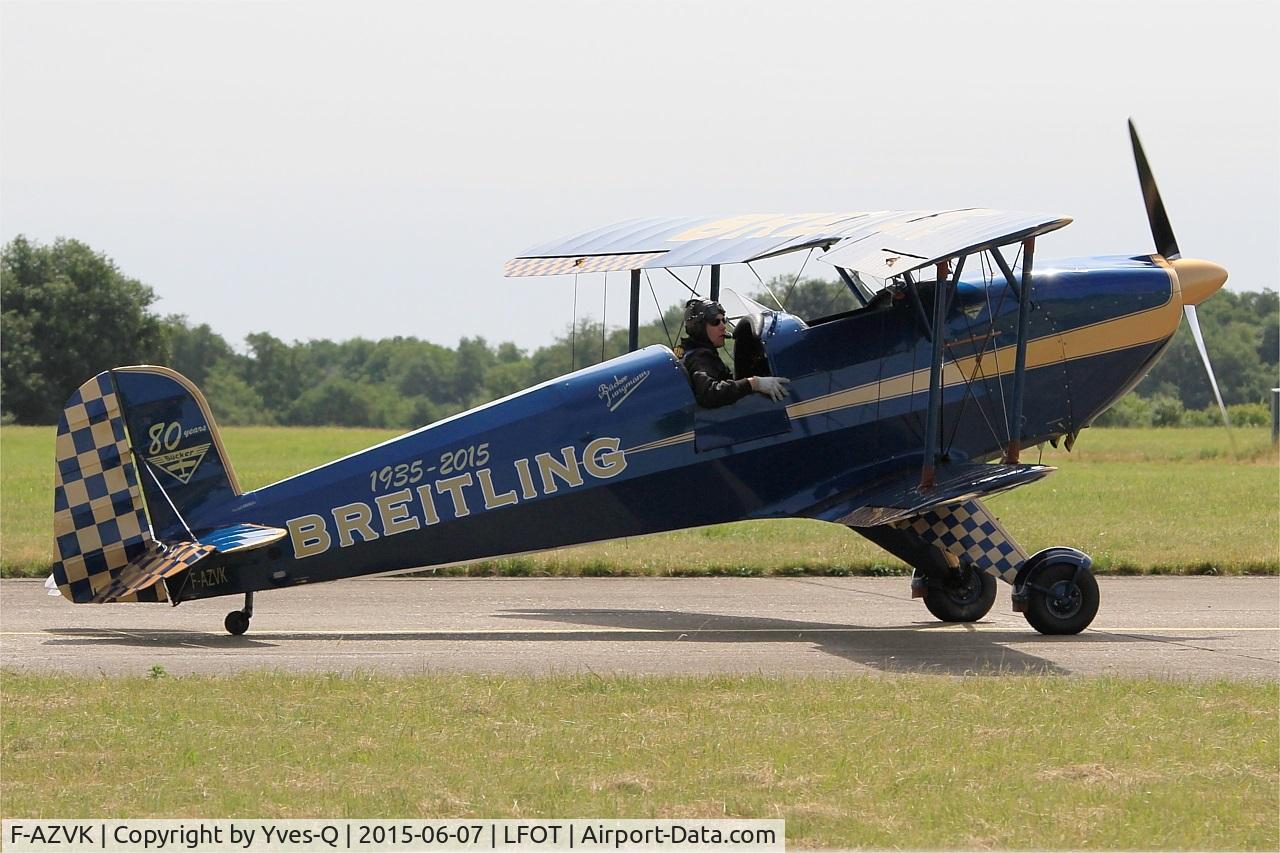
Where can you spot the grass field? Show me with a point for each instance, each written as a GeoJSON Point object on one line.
{"type": "Point", "coordinates": [908, 761]}
{"type": "Point", "coordinates": [1172, 501]}
{"type": "Point", "coordinates": [915, 762]}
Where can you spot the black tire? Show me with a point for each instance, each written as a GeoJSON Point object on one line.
{"type": "Point", "coordinates": [1060, 601]}
{"type": "Point", "coordinates": [236, 623]}
{"type": "Point", "coordinates": [965, 598]}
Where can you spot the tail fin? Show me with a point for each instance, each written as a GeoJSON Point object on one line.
{"type": "Point", "coordinates": [120, 530]}
{"type": "Point", "coordinates": [184, 469]}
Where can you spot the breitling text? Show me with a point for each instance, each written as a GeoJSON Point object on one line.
{"type": "Point", "coordinates": [460, 495]}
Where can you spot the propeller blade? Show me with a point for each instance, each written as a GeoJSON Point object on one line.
{"type": "Point", "coordinates": [1194, 322]}
{"type": "Point", "coordinates": [1161, 230]}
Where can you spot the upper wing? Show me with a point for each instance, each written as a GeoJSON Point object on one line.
{"type": "Point", "coordinates": [881, 244]}
{"type": "Point", "coordinates": [682, 242]}
{"type": "Point", "coordinates": [895, 244]}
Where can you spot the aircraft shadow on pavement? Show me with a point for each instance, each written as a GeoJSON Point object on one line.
{"type": "Point", "coordinates": [923, 647]}
{"type": "Point", "coordinates": [901, 648]}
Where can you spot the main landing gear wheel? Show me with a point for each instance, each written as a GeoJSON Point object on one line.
{"type": "Point", "coordinates": [965, 595]}
{"type": "Point", "coordinates": [1062, 598]}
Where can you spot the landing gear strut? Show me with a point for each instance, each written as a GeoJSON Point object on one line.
{"type": "Point", "coordinates": [237, 621]}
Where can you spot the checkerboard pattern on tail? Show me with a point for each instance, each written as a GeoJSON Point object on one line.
{"type": "Point", "coordinates": [99, 520]}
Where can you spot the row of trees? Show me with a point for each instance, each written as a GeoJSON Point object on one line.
{"type": "Point", "coordinates": [69, 312]}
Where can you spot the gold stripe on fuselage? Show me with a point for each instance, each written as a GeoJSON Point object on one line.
{"type": "Point", "coordinates": [1129, 330]}
{"type": "Point", "coordinates": [664, 442]}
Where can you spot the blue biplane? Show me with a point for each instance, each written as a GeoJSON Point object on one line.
{"type": "Point", "coordinates": [907, 409]}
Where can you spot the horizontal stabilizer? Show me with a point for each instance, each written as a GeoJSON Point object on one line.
{"type": "Point", "coordinates": [167, 560]}
{"type": "Point", "coordinates": [899, 496]}
{"type": "Point", "coordinates": [161, 562]}
{"type": "Point", "coordinates": [241, 537]}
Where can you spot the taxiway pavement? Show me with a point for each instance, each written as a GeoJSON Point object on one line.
{"type": "Point", "coordinates": [1183, 627]}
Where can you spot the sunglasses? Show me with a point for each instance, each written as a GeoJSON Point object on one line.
{"type": "Point", "coordinates": [718, 321]}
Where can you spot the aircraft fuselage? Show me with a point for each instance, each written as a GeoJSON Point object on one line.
{"type": "Point", "coordinates": [621, 449]}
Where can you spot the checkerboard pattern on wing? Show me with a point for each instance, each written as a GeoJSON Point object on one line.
{"type": "Point", "coordinates": [582, 264]}
{"type": "Point", "coordinates": [98, 517]}
{"type": "Point", "coordinates": [970, 532]}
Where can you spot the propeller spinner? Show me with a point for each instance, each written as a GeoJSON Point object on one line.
{"type": "Point", "coordinates": [1197, 279]}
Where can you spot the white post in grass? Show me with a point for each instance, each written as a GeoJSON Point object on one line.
{"type": "Point", "coordinates": [1275, 416]}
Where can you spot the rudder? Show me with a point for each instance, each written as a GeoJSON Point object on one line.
{"type": "Point", "coordinates": [100, 525]}
{"type": "Point", "coordinates": [185, 469]}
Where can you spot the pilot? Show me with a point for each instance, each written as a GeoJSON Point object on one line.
{"type": "Point", "coordinates": [713, 382]}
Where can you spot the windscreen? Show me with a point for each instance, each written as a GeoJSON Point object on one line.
{"type": "Point", "coordinates": [736, 306]}
{"type": "Point", "coordinates": [810, 299]}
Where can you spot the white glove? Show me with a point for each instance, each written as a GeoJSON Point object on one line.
{"type": "Point", "coordinates": [773, 387]}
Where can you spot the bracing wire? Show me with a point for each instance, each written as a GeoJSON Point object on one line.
{"type": "Point", "coordinates": [573, 330]}
{"type": "Point", "coordinates": [604, 316]}
{"type": "Point", "coordinates": [836, 292]}
{"type": "Point", "coordinates": [969, 382]}
{"type": "Point", "coordinates": [776, 300]}
{"type": "Point", "coordinates": [969, 392]}
{"type": "Point", "coordinates": [169, 500]}
{"type": "Point", "coordinates": [913, 423]}
{"type": "Point", "coordinates": [988, 275]}
{"type": "Point", "coordinates": [995, 350]}
{"type": "Point", "coordinates": [679, 279]}
{"type": "Point", "coordinates": [661, 315]}
{"type": "Point", "coordinates": [796, 280]}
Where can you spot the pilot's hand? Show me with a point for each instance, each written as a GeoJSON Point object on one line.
{"type": "Point", "coordinates": [773, 387]}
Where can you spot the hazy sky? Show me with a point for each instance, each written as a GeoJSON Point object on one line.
{"type": "Point", "coordinates": [364, 169]}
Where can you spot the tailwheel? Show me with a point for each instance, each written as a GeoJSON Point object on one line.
{"type": "Point", "coordinates": [237, 622]}
{"type": "Point", "coordinates": [1060, 598]}
{"type": "Point", "coordinates": [963, 595]}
